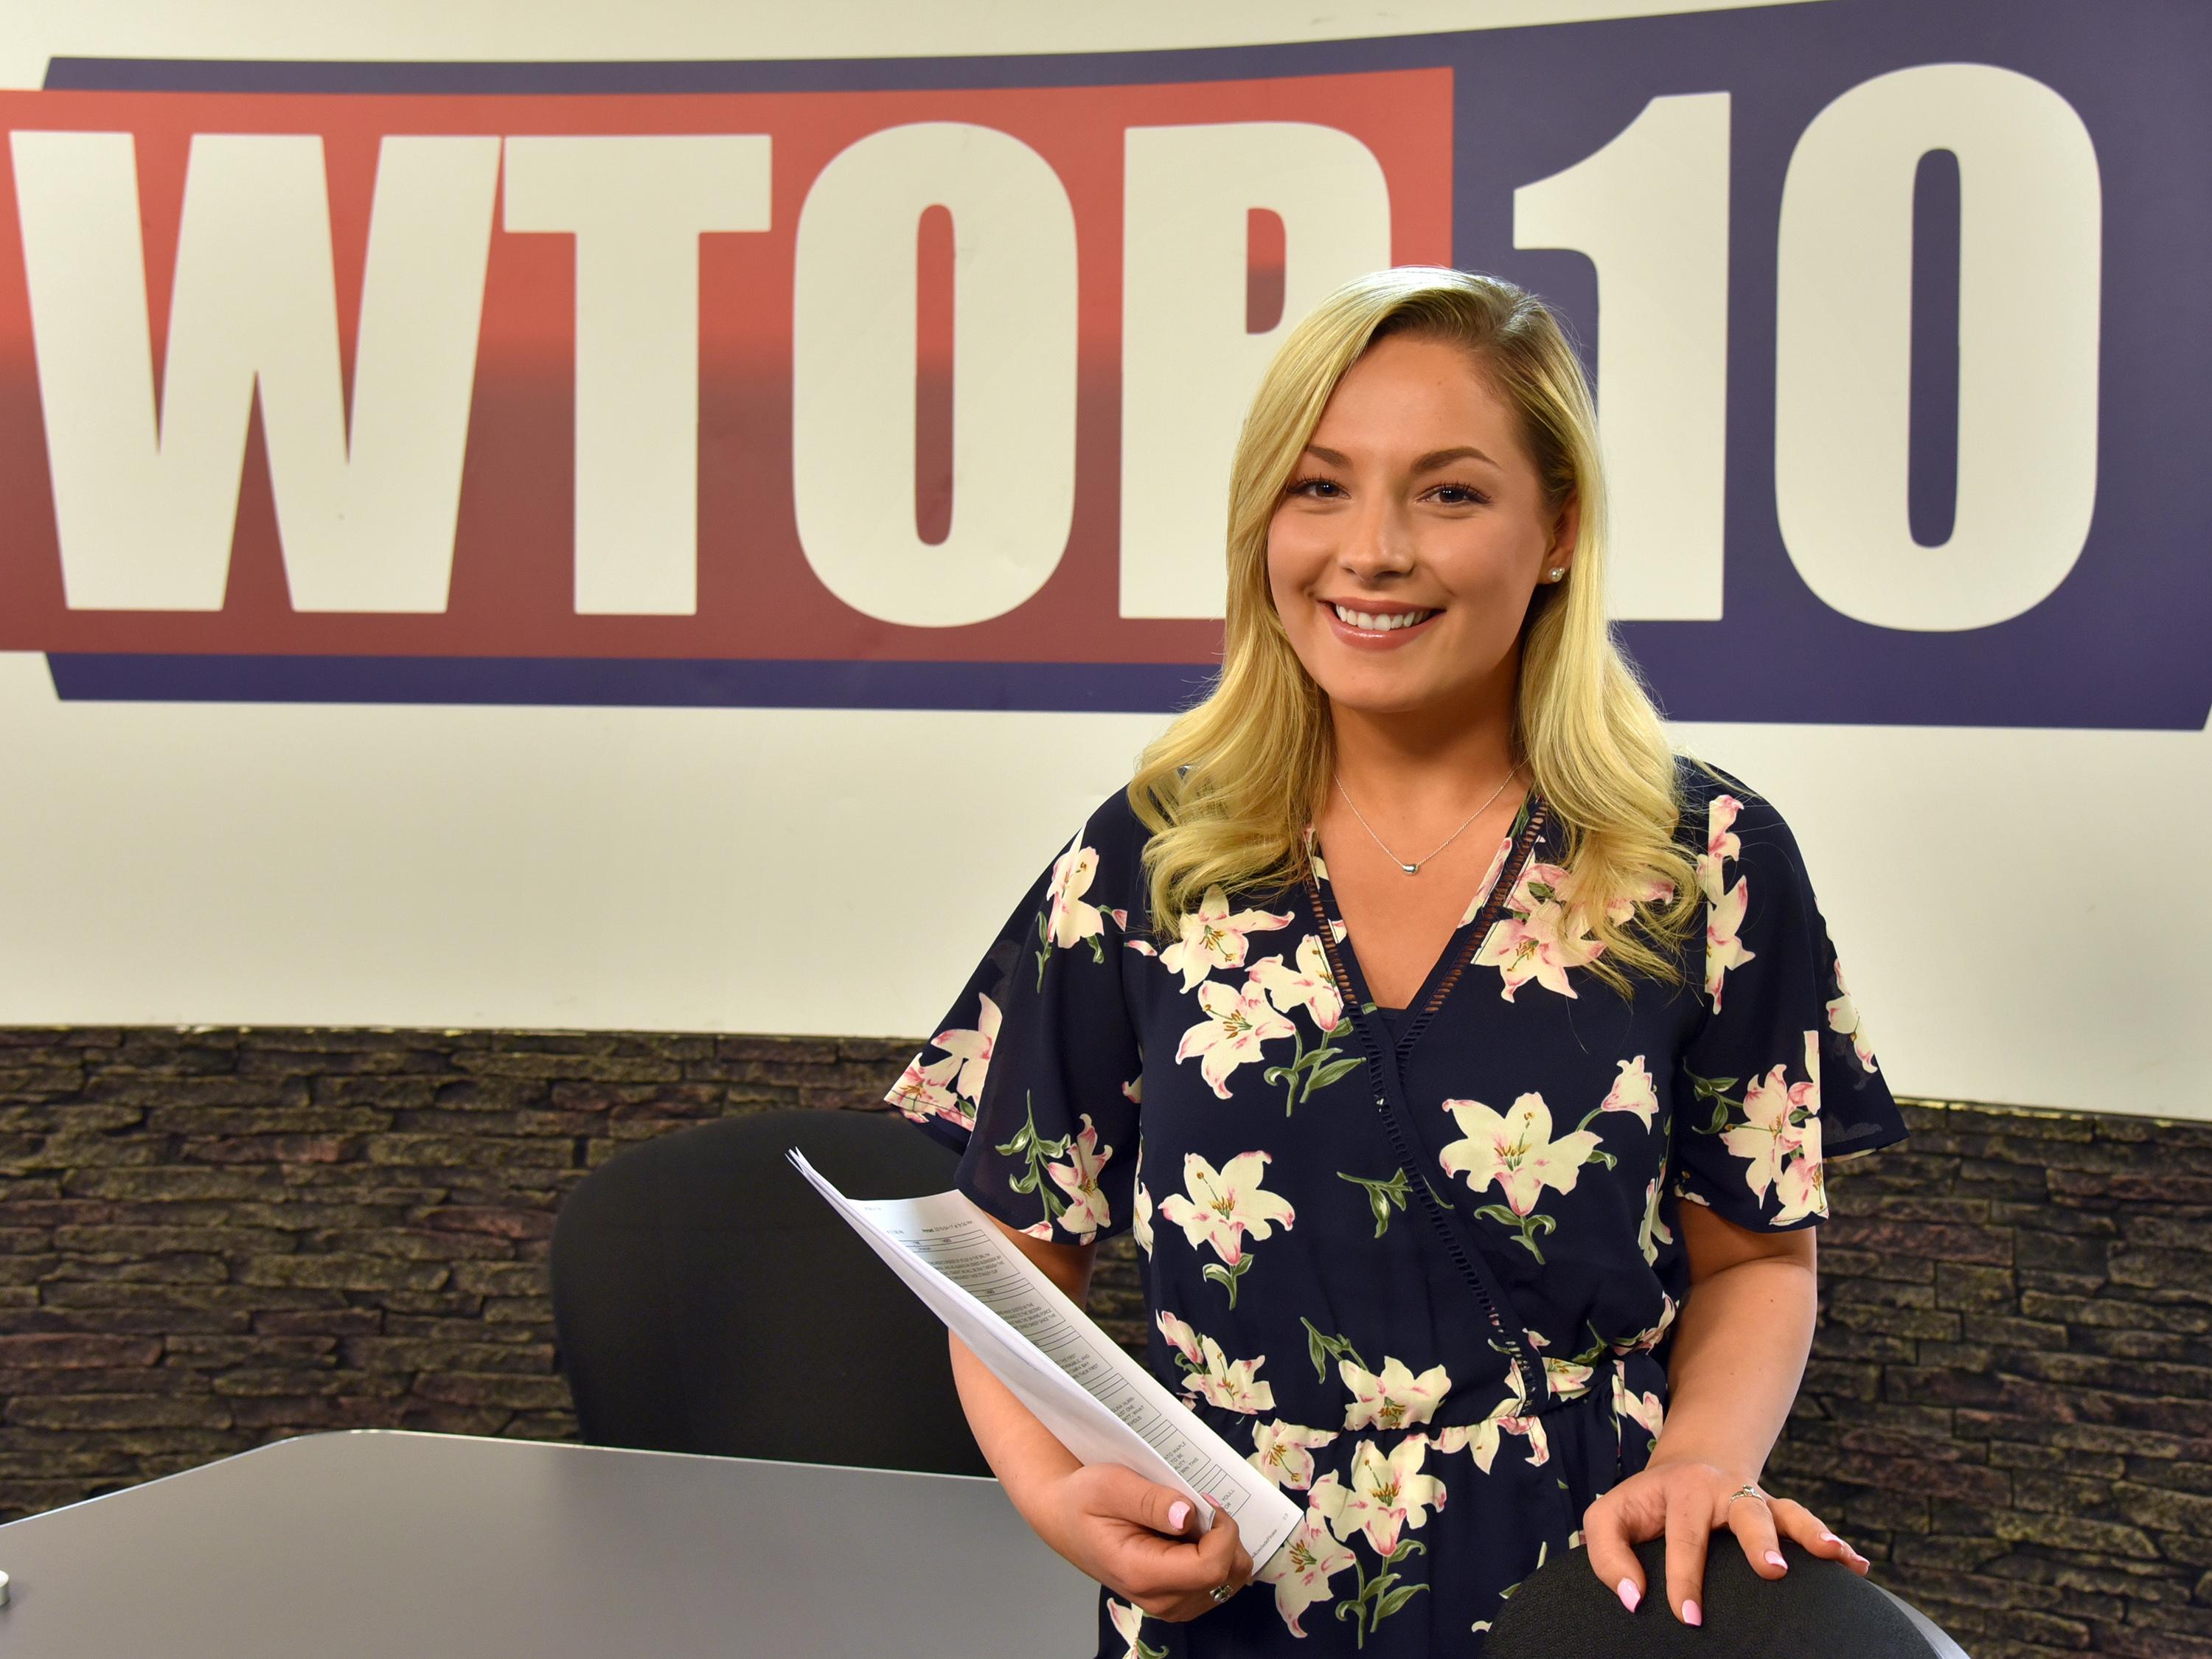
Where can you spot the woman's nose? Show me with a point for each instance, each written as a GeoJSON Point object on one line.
{"type": "Point", "coordinates": [1378, 539]}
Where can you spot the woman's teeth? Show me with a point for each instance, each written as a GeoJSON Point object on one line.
{"type": "Point", "coordinates": [1382, 622]}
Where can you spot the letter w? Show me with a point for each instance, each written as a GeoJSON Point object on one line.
{"type": "Point", "coordinates": [147, 505]}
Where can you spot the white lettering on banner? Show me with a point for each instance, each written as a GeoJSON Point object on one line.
{"type": "Point", "coordinates": [2031, 213]}
{"type": "Point", "coordinates": [1652, 211]}
{"type": "Point", "coordinates": [853, 342]}
{"type": "Point", "coordinates": [1189, 366]}
{"type": "Point", "coordinates": [637, 204]}
{"type": "Point", "coordinates": [145, 504]}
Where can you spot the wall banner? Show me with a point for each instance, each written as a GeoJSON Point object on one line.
{"type": "Point", "coordinates": [911, 383]}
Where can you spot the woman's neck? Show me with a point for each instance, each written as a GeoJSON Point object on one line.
{"type": "Point", "coordinates": [1424, 763]}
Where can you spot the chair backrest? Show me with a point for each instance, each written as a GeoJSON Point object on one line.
{"type": "Point", "coordinates": [1817, 1610]}
{"type": "Point", "coordinates": [705, 1299]}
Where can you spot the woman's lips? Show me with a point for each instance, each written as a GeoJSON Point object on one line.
{"type": "Point", "coordinates": [1362, 639]}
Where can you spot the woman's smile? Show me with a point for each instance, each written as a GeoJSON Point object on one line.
{"type": "Point", "coordinates": [1373, 626]}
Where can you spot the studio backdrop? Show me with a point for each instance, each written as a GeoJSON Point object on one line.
{"type": "Point", "coordinates": [509, 523]}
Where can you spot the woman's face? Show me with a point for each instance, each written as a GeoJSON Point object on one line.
{"type": "Point", "coordinates": [1403, 553]}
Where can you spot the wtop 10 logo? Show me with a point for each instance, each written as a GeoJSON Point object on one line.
{"type": "Point", "coordinates": [915, 382]}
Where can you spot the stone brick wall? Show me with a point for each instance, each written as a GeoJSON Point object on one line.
{"type": "Point", "coordinates": [210, 1239]}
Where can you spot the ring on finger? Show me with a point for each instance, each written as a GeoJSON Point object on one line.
{"type": "Point", "coordinates": [1221, 1592]}
{"type": "Point", "coordinates": [1750, 1489]}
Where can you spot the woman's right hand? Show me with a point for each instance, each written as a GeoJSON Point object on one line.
{"type": "Point", "coordinates": [1141, 1540]}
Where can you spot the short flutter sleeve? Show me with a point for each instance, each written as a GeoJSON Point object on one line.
{"type": "Point", "coordinates": [1034, 1074]}
{"type": "Point", "coordinates": [1778, 1080]}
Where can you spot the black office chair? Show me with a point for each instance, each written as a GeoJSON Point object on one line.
{"type": "Point", "coordinates": [1819, 1609]}
{"type": "Point", "coordinates": [705, 1299]}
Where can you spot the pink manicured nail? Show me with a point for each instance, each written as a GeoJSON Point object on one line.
{"type": "Point", "coordinates": [1775, 1556]}
{"type": "Point", "coordinates": [1629, 1598]}
{"type": "Point", "coordinates": [1178, 1512]}
{"type": "Point", "coordinates": [1691, 1615]}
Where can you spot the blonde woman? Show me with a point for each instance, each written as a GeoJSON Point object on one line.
{"type": "Point", "coordinates": [1464, 1061]}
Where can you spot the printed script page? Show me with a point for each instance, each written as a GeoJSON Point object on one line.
{"type": "Point", "coordinates": [1098, 1401]}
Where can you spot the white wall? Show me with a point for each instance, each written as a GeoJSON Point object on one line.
{"type": "Point", "coordinates": [2015, 906]}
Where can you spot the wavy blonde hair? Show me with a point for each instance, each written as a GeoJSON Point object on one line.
{"type": "Point", "coordinates": [1227, 790]}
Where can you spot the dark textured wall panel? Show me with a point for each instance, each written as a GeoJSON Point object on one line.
{"type": "Point", "coordinates": [212, 1239]}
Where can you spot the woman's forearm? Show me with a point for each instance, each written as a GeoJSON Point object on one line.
{"type": "Point", "coordinates": [1740, 1351]}
{"type": "Point", "coordinates": [1022, 1452]}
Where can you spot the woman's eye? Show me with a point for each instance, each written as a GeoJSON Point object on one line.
{"type": "Point", "coordinates": [1468, 497]}
{"type": "Point", "coordinates": [1304, 484]}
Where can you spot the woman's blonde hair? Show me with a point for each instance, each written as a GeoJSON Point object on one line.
{"type": "Point", "coordinates": [1227, 790]}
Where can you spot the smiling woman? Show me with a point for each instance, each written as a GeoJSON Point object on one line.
{"type": "Point", "coordinates": [1453, 1114]}
{"type": "Point", "coordinates": [1417, 552]}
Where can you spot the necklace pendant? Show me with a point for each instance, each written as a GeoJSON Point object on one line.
{"type": "Point", "coordinates": [1411, 869]}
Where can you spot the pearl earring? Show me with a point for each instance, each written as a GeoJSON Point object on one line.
{"type": "Point", "coordinates": [1557, 571]}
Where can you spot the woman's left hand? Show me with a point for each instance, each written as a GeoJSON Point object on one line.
{"type": "Point", "coordinates": [1688, 1502]}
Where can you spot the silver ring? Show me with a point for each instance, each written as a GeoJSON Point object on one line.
{"type": "Point", "coordinates": [1747, 1491]}
{"type": "Point", "coordinates": [1219, 1593]}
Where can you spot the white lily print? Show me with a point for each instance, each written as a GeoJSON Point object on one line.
{"type": "Point", "coordinates": [973, 1049]}
{"type": "Point", "coordinates": [1569, 1379]}
{"type": "Point", "coordinates": [1510, 1415]}
{"type": "Point", "coordinates": [1394, 1399]}
{"type": "Point", "coordinates": [1802, 1187]}
{"type": "Point", "coordinates": [1531, 940]}
{"type": "Point", "coordinates": [1516, 1151]}
{"type": "Point", "coordinates": [1086, 1210]}
{"type": "Point", "coordinates": [1487, 1439]}
{"type": "Point", "coordinates": [1645, 1341]}
{"type": "Point", "coordinates": [1387, 1494]}
{"type": "Point", "coordinates": [1654, 1233]}
{"type": "Point", "coordinates": [1309, 1559]}
{"type": "Point", "coordinates": [1233, 1385]}
{"type": "Point", "coordinates": [921, 1091]}
{"type": "Point", "coordinates": [1657, 890]}
{"type": "Point", "coordinates": [1129, 1623]}
{"type": "Point", "coordinates": [1180, 1337]}
{"type": "Point", "coordinates": [1780, 1138]}
{"type": "Point", "coordinates": [1310, 986]}
{"type": "Point", "coordinates": [1140, 1210]}
{"type": "Point", "coordinates": [1067, 919]}
{"type": "Point", "coordinates": [1645, 1408]}
{"type": "Point", "coordinates": [1313, 986]}
{"type": "Point", "coordinates": [1721, 843]}
{"type": "Point", "coordinates": [1844, 1016]}
{"type": "Point", "coordinates": [1282, 1452]}
{"type": "Point", "coordinates": [1724, 905]}
{"type": "Point", "coordinates": [1489, 880]}
{"type": "Point", "coordinates": [1237, 1022]}
{"type": "Point", "coordinates": [1221, 1206]}
{"type": "Point", "coordinates": [1214, 937]}
{"type": "Point", "coordinates": [1633, 1091]}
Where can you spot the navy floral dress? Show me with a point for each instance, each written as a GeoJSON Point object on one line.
{"type": "Point", "coordinates": [1421, 1265]}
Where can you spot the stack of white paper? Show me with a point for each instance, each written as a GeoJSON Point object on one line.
{"type": "Point", "coordinates": [1101, 1405]}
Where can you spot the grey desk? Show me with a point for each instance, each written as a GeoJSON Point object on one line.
{"type": "Point", "coordinates": [420, 1545]}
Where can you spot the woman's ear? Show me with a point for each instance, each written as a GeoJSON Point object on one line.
{"type": "Point", "coordinates": [1566, 529]}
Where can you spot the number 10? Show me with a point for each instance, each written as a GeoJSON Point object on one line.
{"type": "Point", "coordinates": [1650, 210]}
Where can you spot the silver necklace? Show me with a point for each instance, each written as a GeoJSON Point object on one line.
{"type": "Point", "coordinates": [1414, 867]}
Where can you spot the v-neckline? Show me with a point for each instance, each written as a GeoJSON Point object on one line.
{"type": "Point", "coordinates": [1465, 939]}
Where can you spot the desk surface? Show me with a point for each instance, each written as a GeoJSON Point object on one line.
{"type": "Point", "coordinates": [382, 1542]}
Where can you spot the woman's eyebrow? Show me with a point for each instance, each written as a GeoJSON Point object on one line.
{"type": "Point", "coordinates": [1428, 463]}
